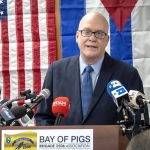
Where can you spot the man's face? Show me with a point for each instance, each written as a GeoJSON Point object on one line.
{"type": "Point", "coordinates": [92, 48]}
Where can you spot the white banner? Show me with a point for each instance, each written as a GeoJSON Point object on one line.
{"type": "Point", "coordinates": [56, 139]}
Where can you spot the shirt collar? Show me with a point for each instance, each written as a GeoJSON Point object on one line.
{"type": "Point", "coordinates": [96, 67]}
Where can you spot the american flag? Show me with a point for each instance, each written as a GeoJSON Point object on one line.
{"type": "Point", "coordinates": [27, 44]}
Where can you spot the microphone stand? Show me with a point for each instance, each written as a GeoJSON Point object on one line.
{"type": "Point", "coordinates": [142, 111]}
{"type": "Point", "coordinates": [125, 114]}
{"type": "Point", "coordinates": [1, 122]}
{"type": "Point", "coordinates": [58, 119]}
{"type": "Point", "coordinates": [125, 110]}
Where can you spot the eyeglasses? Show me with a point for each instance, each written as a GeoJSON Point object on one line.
{"type": "Point", "coordinates": [98, 34]}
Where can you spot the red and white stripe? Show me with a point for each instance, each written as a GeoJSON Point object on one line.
{"type": "Point", "coordinates": [27, 45]}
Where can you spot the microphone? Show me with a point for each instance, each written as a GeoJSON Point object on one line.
{"type": "Point", "coordinates": [24, 120]}
{"type": "Point", "coordinates": [15, 113]}
{"type": "Point", "coordinates": [119, 94]}
{"type": "Point", "coordinates": [2, 102]}
{"type": "Point", "coordinates": [9, 102]}
{"type": "Point", "coordinates": [27, 94]}
{"type": "Point", "coordinates": [44, 94]}
{"type": "Point", "coordinates": [6, 114]}
{"type": "Point", "coordinates": [23, 95]}
{"type": "Point", "coordinates": [19, 111]}
{"type": "Point", "coordinates": [60, 108]}
{"type": "Point", "coordinates": [137, 99]}
{"type": "Point", "coordinates": [22, 102]}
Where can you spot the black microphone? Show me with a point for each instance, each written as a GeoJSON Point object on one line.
{"type": "Point", "coordinates": [2, 102]}
{"type": "Point", "coordinates": [119, 94]}
{"type": "Point", "coordinates": [9, 102]}
{"type": "Point", "coordinates": [19, 111]}
{"type": "Point", "coordinates": [44, 94]}
{"type": "Point", "coordinates": [15, 113]}
{"type": "Point", "coordinates": [23, 95]}
{"type": "Point", "coordinates": [28, 95]}
{"type": "Point", "coordinates": [26, 119]}
{"type": "Point", "coordinates": [6, 115]}
{"type": "Point", "coordinates": [26, 92]}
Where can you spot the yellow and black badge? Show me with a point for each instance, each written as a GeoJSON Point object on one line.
{"type": "Point", "coordinates": [21, 141]}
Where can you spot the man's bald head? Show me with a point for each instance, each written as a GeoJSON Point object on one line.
{"type": "Point", "coordinates": [94, 16]}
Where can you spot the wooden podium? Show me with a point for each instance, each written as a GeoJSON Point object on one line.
{"type": "Point", "coordinates": [105, 137]}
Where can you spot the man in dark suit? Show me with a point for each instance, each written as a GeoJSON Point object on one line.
{"type": "Point", "coordinates": [65, 78]}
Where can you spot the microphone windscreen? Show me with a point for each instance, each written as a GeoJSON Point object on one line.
{"type": "Point", "coordinates": [45, 93]}
{"type": "Point", "coordinates": [61, 105]}
{"type": "Point", "coordinates": [117, 91]}
{"type": "Point", "coordinates": [19, 111]}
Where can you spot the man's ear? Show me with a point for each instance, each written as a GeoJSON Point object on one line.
{"type": "Point", "coordinates": [77, 36]}
{"type": "Point", "coordinates": [108, 37]}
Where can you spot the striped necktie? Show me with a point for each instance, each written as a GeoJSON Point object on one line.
{"type": "Point", "coordinates": [86, 89]}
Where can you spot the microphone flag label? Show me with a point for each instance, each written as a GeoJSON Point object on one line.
{"type": "Point", "coordinates": [6, 113]}
{"type": "Point", "coordinates": [119, 92]}
{"type": "Point", "coordinates": [114, 84]}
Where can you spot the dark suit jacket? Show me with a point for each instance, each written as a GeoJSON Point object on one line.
{"type": "Point", "coordinates": [63, 79]}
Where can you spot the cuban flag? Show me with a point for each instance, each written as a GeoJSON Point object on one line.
{"type": "Point", "coordinates": [129, 30]}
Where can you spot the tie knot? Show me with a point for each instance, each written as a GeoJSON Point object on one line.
{"type": "Point", "coordinates": [88, 69]}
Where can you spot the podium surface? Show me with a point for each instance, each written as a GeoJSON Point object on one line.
{"type": "Point", "coordinates": [105, 137]}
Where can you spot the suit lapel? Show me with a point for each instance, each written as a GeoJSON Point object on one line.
{"type": "Point", "coordinates": [104, 77]}
{"type": "Point", "coordinates": [74, 89]}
